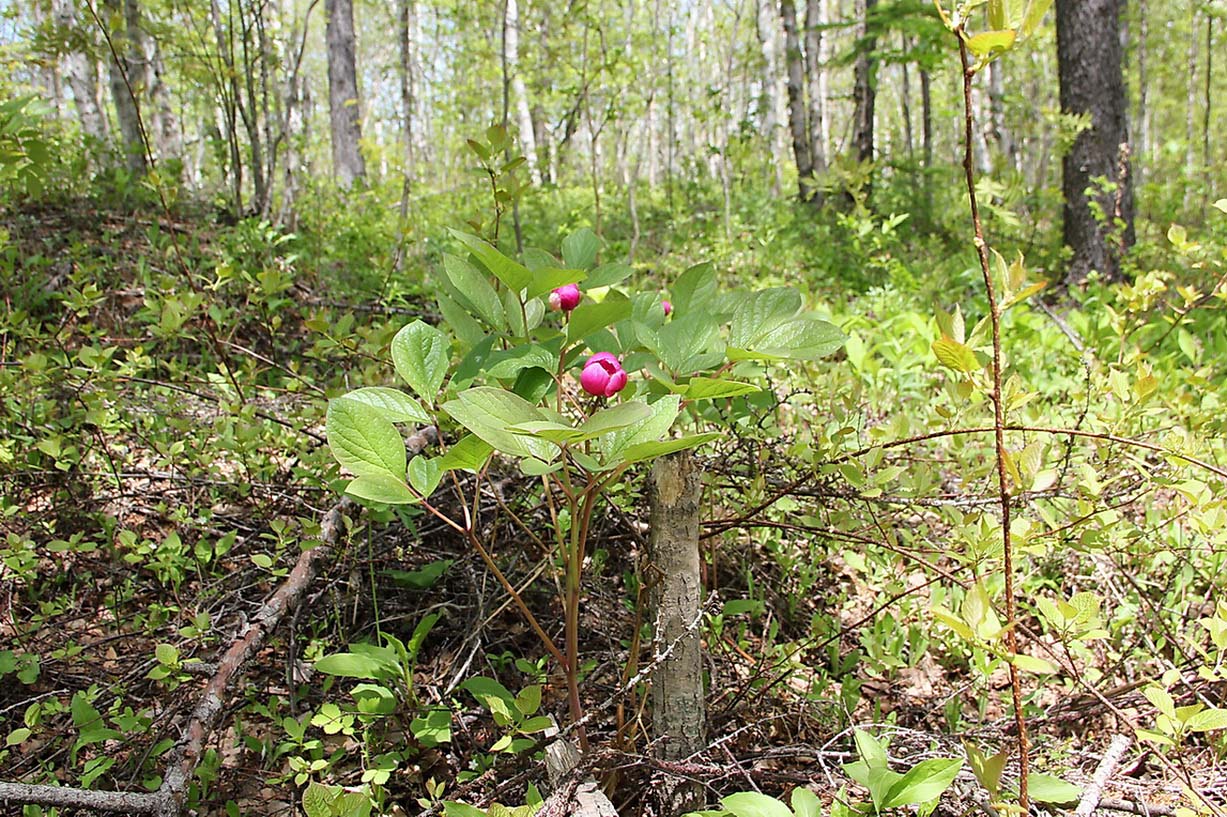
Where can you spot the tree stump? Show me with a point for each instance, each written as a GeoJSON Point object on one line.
{"type": "Point", "coordinates": [675, 606]}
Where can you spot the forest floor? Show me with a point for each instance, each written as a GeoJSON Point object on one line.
{"type": "Point", "coordinates": [164, 471]}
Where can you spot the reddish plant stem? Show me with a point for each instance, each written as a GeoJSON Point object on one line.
{"type": "Point", "coordinates": [1007, 548]}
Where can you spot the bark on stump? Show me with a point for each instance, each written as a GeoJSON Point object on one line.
{"type": "Point", "coordinates": [672, 575]}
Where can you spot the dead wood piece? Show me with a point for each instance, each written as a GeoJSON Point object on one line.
{"type": "Point", "coordinates": [575, 794]}
{"type": "Point", "coordinates": [168, 800]}
{"type": "Point", "coordinates": [1135, 807]}
{"type": "Point", "coordinates": [1103, 773]}
{"type": "Point", "coordinates": [13, 795]}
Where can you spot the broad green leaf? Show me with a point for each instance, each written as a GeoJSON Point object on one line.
{"type": "Point", "coordinates": [650, 451]}
{"type": "Point", "coordinates": [997, 16]}
{"type": "Point", "coordinates": [393, 404]}
{"type": "Point", "coordinates": [591, 316]}
{"type": "Point", "coordinates": [758, 313]}
{"type": "Point", "coordinates": [869, 748]}
{"type": "Point", "coordinates": [1033, 664]}
{"type": "Point", "coordinates": [452, 808]}
{"type": "Point", "coordinates": [978, 612]}
{"type": "Point", "coordinates": [423, 578]}
{"type": "Point", "coordinates": [615, 417]}
{"type": "Point", "coordinates": [550, 278]}
{"type": "Point", "coordinates": [383, 488]}
{"type": "Point", "coordinates": [710, 388]}
{"type": "Point", "coordinates": [803, 338]}
{"type": "Point", "coordinates": [1045, 788]}
{"type": "Point", "coordinates": [373, 699]}
{"type": "Point", "coordinates": [579, 249]}
{"type": "Point", "coordinates": [529, 699]}
{"type": "Point", "coordinates": [355, 665]}
{"type": "Point", "coordinates": [987, 769]}
{"type": "Point", "coordinates": [512, 273]}
{"type": "Point", "coordinates": [680, 344]}
{"type": "Point", "coordinates": [882, 780]}
{"type": "Point", "coordinates": [607, 275]}
{"type": "Point", "coordinates": [506, 364]}
{"type": "Point", "coordinates": [487, 689]}
{"type": "Point", "coordinates": [805, 803]}
{"type": "Point", "coordinates": [461, 324]}
{"type": "Point", "coordinates": [694, 289]}
{"type": "Point", "coordinates": [422, 354]}
{"type": "Point", "coordinates": [490, 413]}
{"type": "Point", "coordinates": [469, 453]}
{"type": "Point", "coordinates": [363, 440]}
{"type": "Point", "coordinates": [1206, 720]}
{"type": "Point", "coordinates": [166, 654]}
{"type": "Point", "coordinates": [987, 43]}
{"type": "Point", "coordinates": [424, 474]}
{"type": "Point", "coordinates": [923, 782]}
{"type": "Point", "coordinates": [1036, 9]}
{"type": "Point", "coordinates": [89, 722]}
{"type": "Point", "coordinates": [423, 628]}
{"type": "Point", "coordinates": [434, 728]}
{"type": "Point", "coordinates": [753, 804]}
{"type": "Point", "coordinates": [1161, 699]}
{"type": "Point", "coordinates": [473, 290]}
{"type": "Point", "coordinates": [650, 429]}
{"type": "Point", "coordinates": [533, 467]}
{"type": "Point", "coordinates": [953, 622]}
{"type": "Point", "coordinates": [954, 355]}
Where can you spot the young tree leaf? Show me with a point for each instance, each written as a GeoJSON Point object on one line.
{"type": "Point", "coordinates": [474, 292]}
{"type": "Point", "coordinates": [579, 249]}
{"type": "Point", "coordinates": [652, 450]}
{"type": "Point", "coordinates": [363, 440]}
{"type": "Point", "coordinates": [469, 453]}
{"type": "Point", "coordinates": [753, 804]}
{"type": "Point", "coordinates": [393, 404]}
{"type": "Point", "coordinates": [421, 354]}
{"type": "Point", "coordinates": [383, 488]}
{"type": "Point", "coordinates": [923, 782]}
{"type": "Point", "coordinates": [954, 355]}
{"type": "Point", "coordinates": [1045, 788]}
{"type": "Point", "coordinates": [490, 413]}
{"type": "Point", "coordinates": [512, 273]}
{"type": "Point", "coordinates": [425, 473]}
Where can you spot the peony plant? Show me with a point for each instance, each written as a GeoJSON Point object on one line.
{"type": "Point", "coordinates": [496, 378]}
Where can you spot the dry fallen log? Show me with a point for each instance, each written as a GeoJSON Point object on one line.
{"type": "Point", "coordinates": [168, 800]}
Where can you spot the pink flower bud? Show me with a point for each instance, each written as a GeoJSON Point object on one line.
{"type": "Point", "coordinates": [566, 297]}
{"type": "Point", "coordinates": [668, 307]}
{"type": "Point", "coordinates": [603, 375]}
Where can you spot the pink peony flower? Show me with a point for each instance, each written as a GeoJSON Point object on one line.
{"type": "Point", "coordinates": [603, 375]}
{"type": "Point", "coordinates": [668, 307]}
{"type": "Point", "coordinates": [566, 297]}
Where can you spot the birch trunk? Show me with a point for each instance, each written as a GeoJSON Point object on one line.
{"type": "Point", "coordinates": [344, 110]}
{"type": "Point", "coordinates": [128, 79]}
{"type": "Point", "coordinates": [524, 118]}
{"type": "Point", "coordinates": [797, 124]}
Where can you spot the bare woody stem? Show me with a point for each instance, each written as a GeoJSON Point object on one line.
{"type": "Point", "coordinates": [994, 310]}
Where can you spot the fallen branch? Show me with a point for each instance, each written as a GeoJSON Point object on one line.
{"type": "Point", "coordinates": [1103, 773]}
{"type": "Point", "coordinates": [168, 800]}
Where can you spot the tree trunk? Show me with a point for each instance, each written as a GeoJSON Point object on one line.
{"type": "Point", "coordinates": [524, 117]}
{"type": "Point", "coordinates": [1143, 115]}
{"type": "Point", "coordinates": [1089, 61]}
{"type": "Point", "coordinates": [815, 19]}
{"type": "Point", "coordinates": [863, 84]}
{"type": "Point", "coordinates": [128, 79]}
{"type": "Point", "coordinates": [343, 104]}
{"type": "Point", "coordinates": [796, 101]}
{"type": "Point", "coordinates": [672, 576]}
{"type": "Point", "coordinates": [765, 28]}
{"type": "Point", "coordinates": [81, 73]}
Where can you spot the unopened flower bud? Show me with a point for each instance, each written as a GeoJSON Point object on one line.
{"type": "Point", "coordinates": [565, 297]}
{"type": "Point", "coordinates": [603, 375]}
